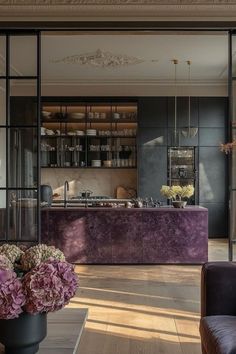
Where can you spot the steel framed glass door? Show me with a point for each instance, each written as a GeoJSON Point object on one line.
{"type": "Point", "coordinates": [19, 136]}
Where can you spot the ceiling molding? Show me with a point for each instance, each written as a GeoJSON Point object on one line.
{"type": "Point", "coordinates": [147, 81]}
{"type": "Point", "coordinates": [117, 9]}
{"type": "Point", "coordinates": [39, 3]}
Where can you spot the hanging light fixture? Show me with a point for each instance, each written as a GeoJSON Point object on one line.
{"type": "Point", "coordinates": [189, 132]}
{"type": "Point", "coordinates": [175, 62]}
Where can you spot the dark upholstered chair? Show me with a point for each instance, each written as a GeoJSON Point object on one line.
{"type": "Point", "coordinates": [218, 308]}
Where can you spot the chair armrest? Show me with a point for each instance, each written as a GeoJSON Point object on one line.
{"type": "Point", "coordinates": [218, 289]}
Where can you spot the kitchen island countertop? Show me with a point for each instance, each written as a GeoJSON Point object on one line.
{"type": "Point", "coordinates": [104, 235]}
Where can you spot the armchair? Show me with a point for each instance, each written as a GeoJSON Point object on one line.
{"type": "Point", "coordinates": [218, 308]}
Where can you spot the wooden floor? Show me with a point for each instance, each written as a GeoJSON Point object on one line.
{"type": "Point", "coordinates": [142, 309]}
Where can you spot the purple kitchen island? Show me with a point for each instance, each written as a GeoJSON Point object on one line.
{"type": "Point", "coordinates": [131, 236]}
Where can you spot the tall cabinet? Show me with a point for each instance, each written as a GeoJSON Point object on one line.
{"type": "Point", "coordinates": [159, 164]}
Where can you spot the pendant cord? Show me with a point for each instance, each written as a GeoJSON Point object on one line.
{"type": "Point", "coordinates": [175, 61]}
{"type": "Point", "coordinates": [189, 101]}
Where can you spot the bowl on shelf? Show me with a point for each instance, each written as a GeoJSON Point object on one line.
{"type": "Point", "coordinates": [49, 132]}
{"type": "Point", "coordinates": [46, 114]}
{"type": "Point", "coordinates": [76, 115]}
{"type": "Point", "coordinates": [107, 163]}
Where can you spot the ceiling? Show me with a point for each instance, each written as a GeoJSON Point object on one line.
{"type": "Point", "coordinates": [105, 58]}
{"type": "Point", "coordinates": [144, 58]}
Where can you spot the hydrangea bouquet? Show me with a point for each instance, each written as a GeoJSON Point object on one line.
{"type": "Point", "coordinates": [37, 280]}
{"type": "Point", "coordinates": [177, 192]}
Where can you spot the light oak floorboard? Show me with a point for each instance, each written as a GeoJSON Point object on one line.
{"type": "Point", "coordinates": [142, 309]}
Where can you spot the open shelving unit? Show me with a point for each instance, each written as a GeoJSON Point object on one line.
{"type": "Point", "coordinates": [89, 135]}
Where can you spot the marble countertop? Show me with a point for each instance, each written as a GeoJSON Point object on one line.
{"type": "Point", "coordinates": [159, 209]}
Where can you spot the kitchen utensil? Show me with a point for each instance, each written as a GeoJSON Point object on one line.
{"type": "Point", "coordinates": [116, 115]}
{"type": "Point", "coordinates": [86, 193]}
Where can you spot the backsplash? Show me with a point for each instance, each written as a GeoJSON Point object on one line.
{"type": "Point", "coordinates": [100, 182]}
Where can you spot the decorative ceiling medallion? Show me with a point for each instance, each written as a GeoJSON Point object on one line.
{"type": "Point", "coordinates": [100, 59]}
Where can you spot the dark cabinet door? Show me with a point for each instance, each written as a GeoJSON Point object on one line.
{"type": "Point", "coordinates": [153, 112]}
{"type": "Point", "coordinates": [212, 112]}
{"type": "Point", "coordinates": [152, 172]}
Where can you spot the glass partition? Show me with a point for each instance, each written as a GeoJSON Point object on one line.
{"type": "Point", "coordinates": [231, 138]}
{"type": "Point", "coordinates": [23, 55]}
{"type": "Point", "coordinates": [2, 55]}
{"type": "Point", "coordinates": [19, 137]}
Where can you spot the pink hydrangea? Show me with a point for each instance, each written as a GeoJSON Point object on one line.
{"type": "Point", "coordinates": [49, 286]}
{"type": "Point", "coordinates": [12, 297]}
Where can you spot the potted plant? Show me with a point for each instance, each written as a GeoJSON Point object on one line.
{"type": "Point", "coordinates": [177, 193]}
{"type": "Point", "coordinates": [32, 283]}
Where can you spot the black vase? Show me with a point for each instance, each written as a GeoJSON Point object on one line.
{"type": "Point", "coordinates": [46, 194]}
{"type": "Point", "coordinates": [22, 335]}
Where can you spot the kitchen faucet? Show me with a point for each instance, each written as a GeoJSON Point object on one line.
{"type": "Point", "coordinates": [66, 189]}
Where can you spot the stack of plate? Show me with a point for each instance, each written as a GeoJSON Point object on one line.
{"type": "Point", "coordinates": [77, 115]}
{"type": "Point", "coordinates": [79, 132]}
{"type": "Point", "coordinates": [91, 132]}
{"type": "Point", "coordinates": [96, 163]}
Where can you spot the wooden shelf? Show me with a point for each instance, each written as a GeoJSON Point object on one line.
{"type": "Point", "coordinates": [61, 118]}
{"type": "Point", "coordinates": [90, 121]}
{"type": "Point", "coordinates": [89, 136]}
{"type": "Point", "coordinates": [86, 167]}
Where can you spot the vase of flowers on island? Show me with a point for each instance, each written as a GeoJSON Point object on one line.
{"type": "Point", "coordinates": [32, 283]}
{"type": "Point", "coordinates": [177, 194]}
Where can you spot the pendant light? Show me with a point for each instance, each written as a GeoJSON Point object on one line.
{"type": "Point", "coordinates": [189, 132]}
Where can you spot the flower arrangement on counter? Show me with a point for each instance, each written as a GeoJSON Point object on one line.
{"type": "Point", "coordinates": [177, 192]}
{"type": "Point", "coordinates": [37, 280]}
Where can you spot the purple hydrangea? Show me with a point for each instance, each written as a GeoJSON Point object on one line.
{"type": "Point", "coordinates": [49, 286]}
{"type": "Point", "coordinates": [12, 297]}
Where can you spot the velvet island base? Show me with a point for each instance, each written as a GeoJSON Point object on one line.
{"type": "Point", "coordinates": [128, 236]}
